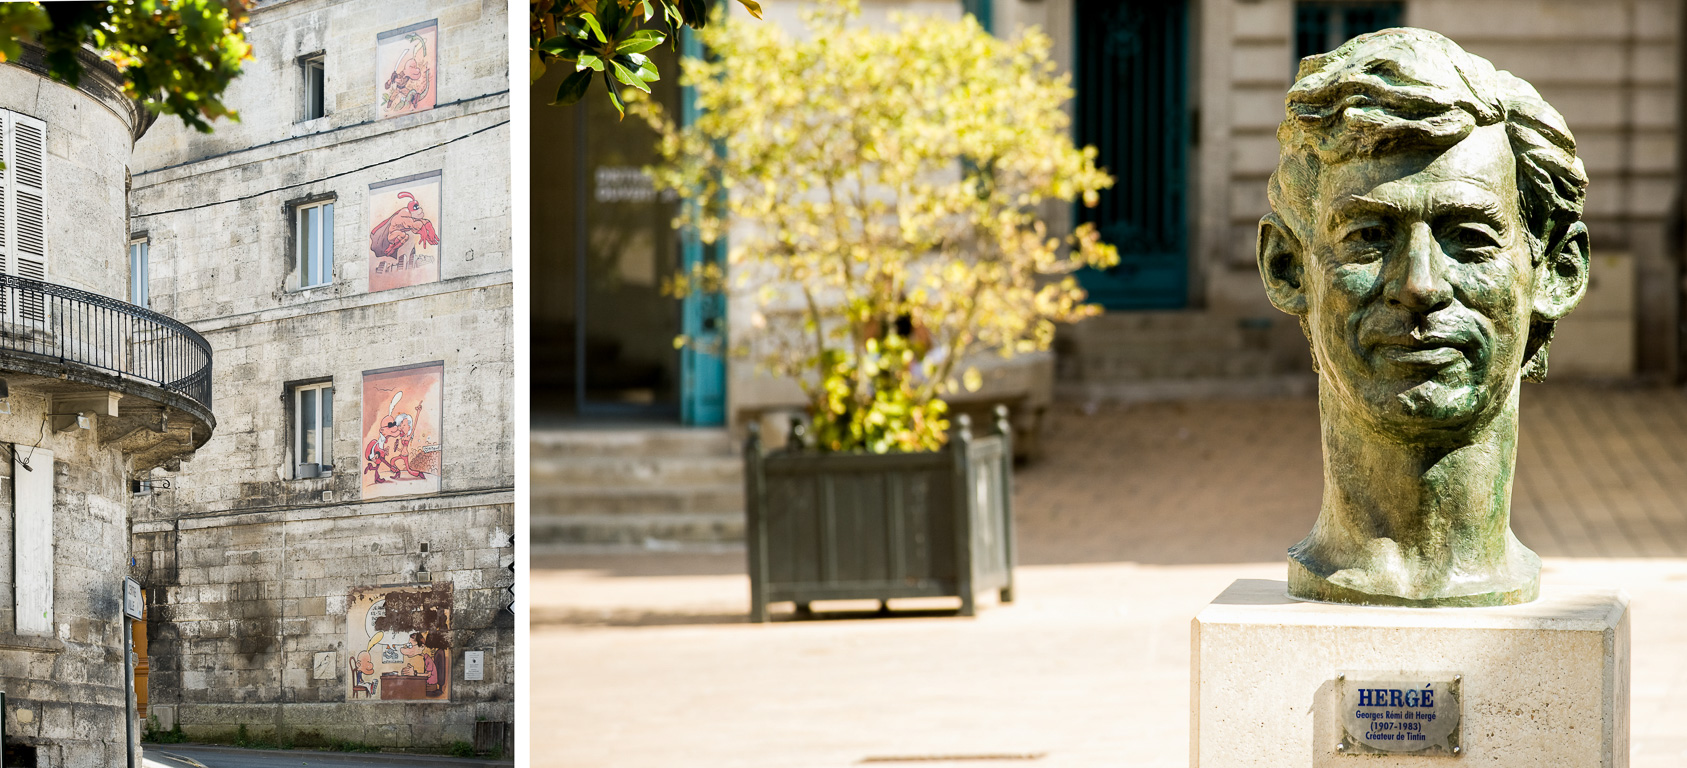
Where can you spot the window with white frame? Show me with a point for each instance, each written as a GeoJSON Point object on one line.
{"type": "Point", "coordinates": [139, 273]}
{"type": "Point", "coordinates": [313, 87]}
{"type": "Point", "coordinates": [313, 429]}
{"type": "Point", "coordinates": [313, 234]}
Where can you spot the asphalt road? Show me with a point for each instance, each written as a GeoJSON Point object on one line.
{"type": "Point", "coordinates": [187, 756]}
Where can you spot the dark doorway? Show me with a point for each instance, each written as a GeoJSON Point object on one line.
{"type": "Point", "coordinates": [1131, 75]}
{"type": "Point", "coordinates": [603, 245]}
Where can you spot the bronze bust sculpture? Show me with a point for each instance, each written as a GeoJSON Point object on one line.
{"type": "Point", "coordinates": [1426, 228]}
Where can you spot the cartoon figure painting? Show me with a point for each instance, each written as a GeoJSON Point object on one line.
{"type": "Point", "coordinates": [401, 436]}
{"type": "Point", "coordinates": [404, 231]}
{"type": "Point", "coordinates": [404, 632]}
{"type": "Point", "coordinates": [405, 62]}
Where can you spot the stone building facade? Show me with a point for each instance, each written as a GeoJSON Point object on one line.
{"type": "Point", "coordinates": [336, 564]}
{"type": "Point", "coordinates": [93, 392]}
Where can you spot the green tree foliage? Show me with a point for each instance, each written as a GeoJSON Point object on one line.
{"type": "Point", "coordinates": [607, 40]}
{"type": "Point", "coordinates": [885, 191]}
{"type": "Point", "coordinates": [177, 57]}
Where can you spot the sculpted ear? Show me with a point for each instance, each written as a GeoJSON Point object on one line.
{"type": "Point", "coordinates": [1282, 265]}
{"type": "Point", "coordinates": [1561, 277]}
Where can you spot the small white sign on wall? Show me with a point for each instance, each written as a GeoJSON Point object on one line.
{"type": "Point", "coordinates": [474, 665]}
{"type": "Point", "coordinates": [134, 606]}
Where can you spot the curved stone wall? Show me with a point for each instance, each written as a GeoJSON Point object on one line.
{"type": "Point", "coordinates": [90, 135]}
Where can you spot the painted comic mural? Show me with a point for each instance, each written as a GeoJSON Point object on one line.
{"type": "Point", "coordinates": [401, 434]}
{"type": "Point", "coordinates": [398, 643]}
{"type": "Point", "coordinates": [405, 69]}
{"type": "Point", "coordinates": [404, 231]}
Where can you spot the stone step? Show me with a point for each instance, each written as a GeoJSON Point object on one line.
{"type": "Point", "coordinates": [672, 499]}
{"type": "Point", "coordinates": [635, 443]}
{"type": "Point", "coordinates": [650, 530]}
{"type": "Point", "coordinates": [1177, 329]}
{"type": "Point", "coordinates": [576, 472]}
{"type": "Point", "coordinates": [1116, 365]}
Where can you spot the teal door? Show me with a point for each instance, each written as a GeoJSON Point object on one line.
{"type": "Point", "coordinates": [703, 360]}
{"type": "Point", "coordinates": [1133, 107]}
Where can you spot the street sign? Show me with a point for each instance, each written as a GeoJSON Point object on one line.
{"type": "Point", "coordinates": [133, 605]}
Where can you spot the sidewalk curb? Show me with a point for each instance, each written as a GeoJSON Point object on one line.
{"type": "Point", "coordinates": [437, 761]}
{"type": "Point", "coordinates": [173, 756]}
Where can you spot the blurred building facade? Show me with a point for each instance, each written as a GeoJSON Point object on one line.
{"type": "Point", "coordinates": [1186, 312]}
{"type": "Point", "coordinates": [1182, 98]}
{"type": "Point", "coordinates": [336, 566]}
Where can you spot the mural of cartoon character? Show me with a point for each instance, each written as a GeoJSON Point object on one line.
{"type": "Point", "coordinates": [402, 446]}
{"type": "Point", "coordinates": [405, 631]}
{"type": "Point", "coordinates": [388, 239]}
{"type": "Point", "coordinates": [410, 82]}
{"type": "Point", "coordinates": [391, 448]}
{"type": "Point", "coordinates": [363, 679]}
{"type": "Point", "coordinates": [423, 659]}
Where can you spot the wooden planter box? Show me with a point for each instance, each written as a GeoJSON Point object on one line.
{"type": "Point", "coordinates": [869, 526]}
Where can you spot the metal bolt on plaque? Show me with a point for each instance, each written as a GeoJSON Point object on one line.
{"type": "Point", "coordinates": [1400, 713]}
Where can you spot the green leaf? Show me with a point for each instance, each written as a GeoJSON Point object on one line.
{"type": "Point", "coordinates": [614, 97]}
{"type": "Point", "coordinates": [591, 21]}
{"type": "Point", "coordinates": [563, 45]}
{"type": "Point", "coordinates": [649, 12]}
{"type": "Point", "coordinates": [640, 41]}
{"type": "Point", "coordinates": [626, 76]}
{"type": "Point", "coordinates": [589, 61]}
{"type": "Point", "coordinates": [572, 88]}
{"type": "Point", "coordinates": [643, 67]}
{"type": "Point", "coordinates": [695, 13]}
{"type": "Point", "coordinates": [611, 10]}
{"type": "Point", "coordinates": [535, 66]}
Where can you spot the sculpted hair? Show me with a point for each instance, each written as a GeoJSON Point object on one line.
{"type": "Point", "coordinates": [1413, 90]}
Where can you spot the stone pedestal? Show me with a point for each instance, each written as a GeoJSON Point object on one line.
{"type": "Point", "coordinates": [1545, 683]}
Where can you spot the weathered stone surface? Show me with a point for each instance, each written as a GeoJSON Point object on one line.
{"type": "Point", "coordinates": [65, 686]}
{"type": "Point", "coordinates": [1426, 231]}
{"type": "Point", "coordinates": [249, 569]}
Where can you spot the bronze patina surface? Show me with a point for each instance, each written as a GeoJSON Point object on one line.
{"type": "Point", "coordinates": [1426, 228]}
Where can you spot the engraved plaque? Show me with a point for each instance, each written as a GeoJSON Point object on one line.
{"type": "Point", "coordinates": [1392, 713]}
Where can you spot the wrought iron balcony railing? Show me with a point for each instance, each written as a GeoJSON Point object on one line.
{"type": "Point", "coordinates": [56, 323]}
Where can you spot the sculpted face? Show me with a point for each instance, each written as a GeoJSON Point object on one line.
{"type": "Point", "coordinates": [1425, 227]}
{"type": "Point", "coordinates": [1419, 286]}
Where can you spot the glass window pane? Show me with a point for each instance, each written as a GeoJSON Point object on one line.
{"type": "Point", "coordinates": [327, 450]}
{"type": "Point", "coordinates": [313, 73]}
{"type": "Point", "coordinates": [328, 243]}
{"type": "Point", "coordinates": [307, 426]}
{"type": "Point", "coordinates": [307, 236]}
{"type": "Point", "coordinates": [134, 273]}
{"type": "Point", "coordinates": [145, 290]}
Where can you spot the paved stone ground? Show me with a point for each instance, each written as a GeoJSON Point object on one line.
{"type": "Point", "coordinates": [1134, 519]}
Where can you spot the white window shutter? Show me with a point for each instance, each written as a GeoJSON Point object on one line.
{"type": "Point", "coordinates": [29, 152]}
{"type": "Point", "coordinates": [7, 212]}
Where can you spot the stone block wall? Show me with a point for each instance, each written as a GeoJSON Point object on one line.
{"type": "Point", "coordinates": [65, 691]}
{"type": "Point", "coordinates": [254, 607]}
{"type": "Point", "coordinates": [249, 568]}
